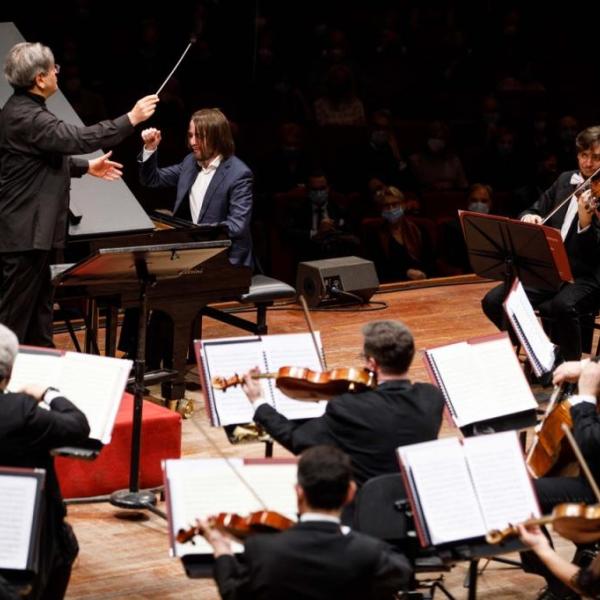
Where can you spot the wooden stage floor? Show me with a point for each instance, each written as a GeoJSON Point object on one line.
{"type": "Point", "coordinates": [125, 555]}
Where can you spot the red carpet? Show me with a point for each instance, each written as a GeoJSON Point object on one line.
{"type": "Point", "coordinates": [161, 438]}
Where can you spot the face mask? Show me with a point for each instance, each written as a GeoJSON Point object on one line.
{"type": "Point", "coordinates": [479, 207]}
{"type": "Point", "coordinates": [318, 197]}
{"type": "Point", "coordinates": [393, 215]}
{"type": "Point", "coordinates": [379, 138]}
{"type": "Point", "coordinates": [436, 145]}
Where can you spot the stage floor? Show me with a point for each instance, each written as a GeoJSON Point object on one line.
{"type": "Point", "coordinates": [126, 555]}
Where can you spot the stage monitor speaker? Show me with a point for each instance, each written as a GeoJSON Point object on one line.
{"type": "Point", "coordinates": [336, 280]}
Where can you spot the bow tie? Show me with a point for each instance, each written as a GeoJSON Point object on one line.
{"type": "Point", "coordinates": [576, 179]}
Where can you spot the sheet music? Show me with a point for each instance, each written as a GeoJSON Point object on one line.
{"type": "Point", "coordinates": [224, 358]}
{"type": "Point", "coordinates": [444, 489]}
{"type": "Point", "coordinates": [293, 349]}
{"type": "Point", "coordinates": [484, 380]}
{"type": "Point", "coordinates": [207, 486]}
{"type": "Point", "coordinates": [41, 369]}
{"type": "Point", "coordinates": [500, 479]}
{"type": "Point", "coordinates": [17, 501]}
{"type": "Point", "coordinates": [539, 349]}
{"type": "Point", "coordinates": [227, 356]}
{"type": "Point", "coordinates": [94, 384]}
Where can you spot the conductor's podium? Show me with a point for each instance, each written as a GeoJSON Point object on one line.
{"type": "Point", "coordinates": [161, 438]}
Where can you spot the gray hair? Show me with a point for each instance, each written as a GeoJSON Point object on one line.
{"type": "Point", "coordinates": [25, 61]}
{"type": "Point", "coordinates": [9, 347]}
{"type": "Point", "coordinates": [390, 343]}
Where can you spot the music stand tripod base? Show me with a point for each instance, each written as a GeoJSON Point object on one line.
{"type": "Point", "coordinates": [142, 499]}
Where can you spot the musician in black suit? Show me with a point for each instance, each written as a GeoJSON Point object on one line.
{"type": "Point", "coordinates": [27, 434]}
{"type": "Point", "coordinates": [368, 425]}
{"type": "Point", "coordinates": [553, 490]}
{"type": "Point", "coordinates": [581, 236]}
{"type": "Point", "coordinates": [35, 169]}
{"type": "Point", "coordinates": [316, 558]}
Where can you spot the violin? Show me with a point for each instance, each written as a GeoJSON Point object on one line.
{"type": "Point", "coordinates": [262, 521]}
{"type": "Point", "coordinates": [301, 383]}
{"type": "Point", "coordinates": [550, 453]}
{"type": "Point", "coordinates": [577, 522]}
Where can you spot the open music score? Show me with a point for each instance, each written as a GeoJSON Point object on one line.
{"type": "Point", "coordinates": [204, 487]}
{"type": "Point", "coordinates": [227, 356]}
{"type": "Point", "coordinates": [20, 521]}
{"type": "Point", "coordinates": [481, 379]}
{"type": "Point", "coordinates": [95, 384]}
{"type": "Point", "coordinates": [461, 489]}
{"type": "Point", "coordinates": [539, 349]}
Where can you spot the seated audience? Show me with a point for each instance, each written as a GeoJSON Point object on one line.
{"type": "Point", "coordinates": [396, 245]}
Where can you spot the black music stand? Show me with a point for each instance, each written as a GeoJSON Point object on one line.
{"type": "Point", "coordinates": [141, 267]}
{"type": "Point", "coordinates": [501, 248]}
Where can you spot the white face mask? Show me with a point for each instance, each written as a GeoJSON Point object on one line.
{"type": "Point", "coordinates": [480, 207]}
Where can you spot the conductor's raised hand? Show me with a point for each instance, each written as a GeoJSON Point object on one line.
{"type": "Point", "coordinates": [151, 138]}
{"type": "Point", "coordinates": [144, 108]}
{"type": "Point", "coordinates": [251, 386]}
{"type": "Point", "coordinates": [105, 168]}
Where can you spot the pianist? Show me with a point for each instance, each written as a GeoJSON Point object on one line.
{"type": "Point", "coordinates": [35, 168]}
{"type": "Point", "coordinates": [214, 187]}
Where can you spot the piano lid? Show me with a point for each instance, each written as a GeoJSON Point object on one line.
{"type": "Point", "coordinates": [105, 206]}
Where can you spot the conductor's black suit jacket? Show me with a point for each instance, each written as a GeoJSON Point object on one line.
{"type": "Point", "coordinates": [312, 560]}
{"type": "Point", "coordinates": [35, 170]}
{"type": "Point", "coordinates": [368, 426]}
{"type": "Point", "coordinates": [27, 434]}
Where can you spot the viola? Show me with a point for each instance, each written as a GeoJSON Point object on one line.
{"type": "Point", "coordinates": [550, 453]}
{"type": "Point", "coordinates": [577, 522]}
{"type": "Point", "coordinates": [301, 383]}
{"type": "Point", "coordinates": [261, 521]}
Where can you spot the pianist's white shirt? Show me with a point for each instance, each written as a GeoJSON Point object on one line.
{"type": "Point", "coordinates": [199, 187]}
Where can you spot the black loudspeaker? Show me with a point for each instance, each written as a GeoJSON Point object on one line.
{"type": "Point", "coordinates": [335, 280]}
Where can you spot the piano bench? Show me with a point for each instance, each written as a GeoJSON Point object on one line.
{"type": "Point", "coordinates": [262, 293]}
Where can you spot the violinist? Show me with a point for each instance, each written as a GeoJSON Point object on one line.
{"type": "Point", "coordinates": [552, 491]}
{"type": "Point", "coordinates": [577, 223]}
{"type": "Point", "coordinates": [368, 425]}
{"type": "Point", "coordinates": [315, 558]}
{"type": "Point", "coordinates": [581, 580]}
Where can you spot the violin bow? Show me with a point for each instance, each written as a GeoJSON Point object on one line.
{"type": "Point", "coordinates": [581, 187]}
{"type": "Point", "coordinates": [582, 462]}
{"type": "Point", "coordinates": [229, 463]}
{"type": "Point", "coordinates": [320, 353]}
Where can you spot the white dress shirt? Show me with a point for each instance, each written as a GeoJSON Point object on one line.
{"type": "Point", "coordinates": [199, 187]}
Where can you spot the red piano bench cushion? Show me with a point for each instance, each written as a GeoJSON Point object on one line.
{"type": "Point", "coordinates": [161, 438]}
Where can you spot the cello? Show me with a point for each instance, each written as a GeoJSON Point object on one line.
{"type": "Point", "coordinates": [549, 452]}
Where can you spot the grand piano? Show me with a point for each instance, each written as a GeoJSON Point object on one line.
{"type": "Point", "coordinates": [107, 215]}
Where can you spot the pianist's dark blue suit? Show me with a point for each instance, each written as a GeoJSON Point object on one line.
{"type": "Point", "coordinates": [228, 199]}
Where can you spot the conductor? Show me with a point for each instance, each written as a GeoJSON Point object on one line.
{"type": "Point", "coordinates": [35, 168]}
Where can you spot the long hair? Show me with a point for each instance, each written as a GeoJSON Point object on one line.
{"type": "Point", "coordinates": [213, 128]}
